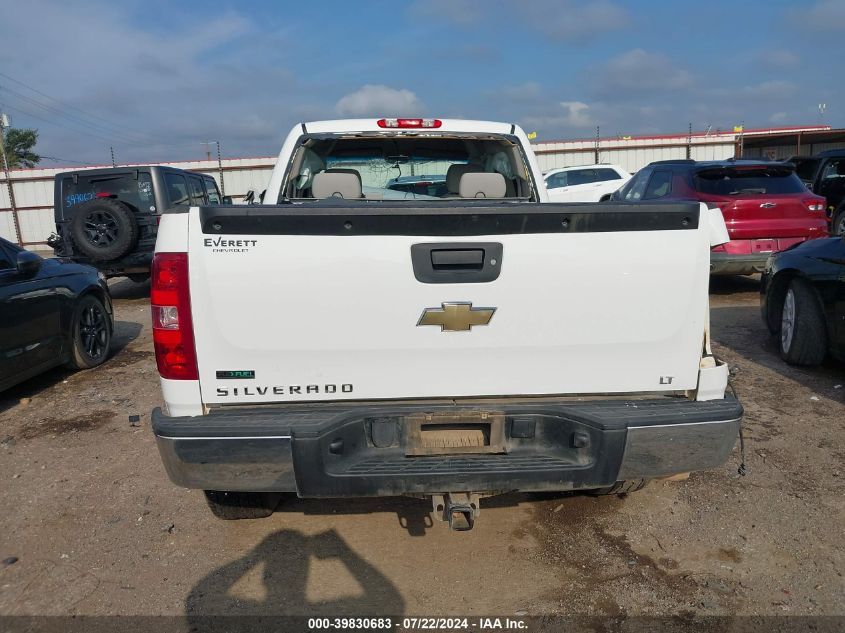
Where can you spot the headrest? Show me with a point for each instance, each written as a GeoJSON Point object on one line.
{"type": "Point", "coordinates": [454, 173]}
{"type": "Point", "coordinates": [337, 184]}
{"type": "Point", "coordinates": [482, 185]}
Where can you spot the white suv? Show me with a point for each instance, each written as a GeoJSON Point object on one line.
{"type": "Point", "coordinates": [584, 183]}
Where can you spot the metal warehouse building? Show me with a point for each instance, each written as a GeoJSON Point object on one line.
{"type": "Point", "coordinates": [32, 220]}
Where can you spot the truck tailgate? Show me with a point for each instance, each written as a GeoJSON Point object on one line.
{"type": "Point", "coordinates": [326, 302]}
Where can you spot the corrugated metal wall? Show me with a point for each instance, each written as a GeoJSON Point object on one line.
{"type": "Point", "coordinates": [782, 152]}
{"type": "Point", "coordinates": [632, 154]}
{"type": "Point", "coordinates": [34, 193]}
{"type": "Point", "coordinates": [34, 187]}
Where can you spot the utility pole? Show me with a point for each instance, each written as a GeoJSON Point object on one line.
{"type": "Point", "coordinates": [689, 142]}
{"type": "Point", "coordinates": [597, 145]}
{"type": "Point", "coordinates": [220, 169]}
{"type": "Point", "coordinates": [4, 123]}
{"type": "Point", "coordinates": [113, 164]}
{"type": "Point", "coordinates": [207, 149]}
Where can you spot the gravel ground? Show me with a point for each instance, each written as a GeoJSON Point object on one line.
{"type": "Point", "coordinates": [97, 528]}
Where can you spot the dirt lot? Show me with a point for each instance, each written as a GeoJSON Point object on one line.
{"type": "Point", "coordinates": [97, 528]}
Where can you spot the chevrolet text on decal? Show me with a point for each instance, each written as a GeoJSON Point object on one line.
{"type": "Point", "coordinates": [220, 245]}
{"type": "Point", "coordinates": [291, 390]}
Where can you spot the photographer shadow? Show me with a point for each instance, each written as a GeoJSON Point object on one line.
{"type": "Point", "coordinates": [272, 579]}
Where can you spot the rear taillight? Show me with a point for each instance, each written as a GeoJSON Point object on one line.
{"type": "Point", "coordinates": [410, 123]}
{"type": "Point", "coordinates": [173, 331]}
{"type": "Point", "coordinates": [815, 204]}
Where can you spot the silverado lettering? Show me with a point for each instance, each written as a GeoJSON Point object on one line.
{"type": "Point", "coordinates": [226, 392]}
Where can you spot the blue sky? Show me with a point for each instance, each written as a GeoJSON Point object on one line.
{"type": "Point", "coordinates": [154, 79]}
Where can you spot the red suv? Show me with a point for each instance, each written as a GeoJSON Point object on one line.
{"type": "Point", "coordinates": [765, 205]}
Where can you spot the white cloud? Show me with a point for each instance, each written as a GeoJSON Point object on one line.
{"type": "Point", "coordinates": [462, 12]}
{"type": "Point", "coordinates": [824, 15]}
{"type": "Point", "coordinates": [779, 59]}
{"type": "Point", "coordinates": [774, 89]}
{"type": "Point", "coordinates": [638, 72]}
{"type": "Point", "coordinates": [577, 113]}
{"type": "Point", "coordinates": [573, 20]}
{"type": "Point", "coordinates": [379, 100]}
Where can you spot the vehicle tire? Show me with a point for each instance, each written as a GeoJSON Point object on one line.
{"type": "Point", "coordinates": [838, 226]}
{"type": "Point", "coordinates": [139, 278]}
{"type": "Point", "coordinates": [803, 333]}
{"type": "Point", "coordinates": [621, 487]}
{"type": "Point", "coordinates": [104, 229]}
{"type": "Point", "coordinates": [90, 334]}
{"type": "Point", "coordinates": [231, 506]}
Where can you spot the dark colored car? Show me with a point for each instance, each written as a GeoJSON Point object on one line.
{"type": "Point", "coordinates": [52, 312]}
{"type": "Point", "coordinates": [109, 217]}
{"type": "Point", "coordinates": [765, 205]}
{"type": "Point", "coordinates": [420, 185]}
{"type": "Point", "coordinates": [803, 300]}
{"type": "Point", "coordinates": [824, 174]}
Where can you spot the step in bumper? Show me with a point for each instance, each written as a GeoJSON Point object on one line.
{"type": "Point", "coordinates": [361, 449]}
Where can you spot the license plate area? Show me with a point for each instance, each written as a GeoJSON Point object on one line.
{"type": "Point", "coordinates": [455, 433]}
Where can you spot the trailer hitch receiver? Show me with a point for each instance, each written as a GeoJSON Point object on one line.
{"type": "Point", "coordinates": [459, 509]}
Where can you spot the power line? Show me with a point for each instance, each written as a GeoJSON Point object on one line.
{"type": "Point", "coordinates": [62, 160]}
{"type": "Point", "coordinates": [98, 120]}
{"type": "Point", "coordinates": [75, 120]}
{"type": "Point", "coordinates": [39, 118]}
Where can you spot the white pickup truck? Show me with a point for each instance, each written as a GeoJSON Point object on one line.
{"type": "Point", "coordinates": [455, 339]}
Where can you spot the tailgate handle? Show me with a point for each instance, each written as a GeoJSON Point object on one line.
{"type": "Point", "coordinates": [457, 259]}
{"type": "Point", "coordinates": [456, 262]}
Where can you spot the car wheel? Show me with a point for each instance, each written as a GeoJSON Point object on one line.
{"type": "Point", "coordinates": [104, 229]}
{"type": "Point", "coordinates": [838, 227]}
{"type": "Point", "coordinates": [139, 278]}
{"type": "Point", "coordinates": [803, 335]}
{"type": "Point", "coordinates": [232, 506]}
{"type": "Point", "coordinates": [91, 332]}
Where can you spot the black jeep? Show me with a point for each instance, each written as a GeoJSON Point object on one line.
{"type": "Point", "coordinates": [824, 174]}
{"type": "Point", "coordinates": [109, 217]}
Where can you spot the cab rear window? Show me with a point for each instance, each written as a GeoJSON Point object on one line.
{"type": "Point", "coordinates": [735, 182]}
{"type": "Point", "coordinates": [137, 192]}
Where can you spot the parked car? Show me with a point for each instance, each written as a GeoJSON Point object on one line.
{"type": "Point", "coordinates": [108, 218]}
{"type": "Point", "coordinates": [765, 205]}
{"type": "Point", "coordinates": [585, 183]}
{"type": "Point", "coordinates": [52, 312]}
{"type": "Point", "coordinates": [802, 299]}
{"type": "Point", "coordinates": [420, 185]}
{"type": "Point", "coordinates": [335, 345]}
{"type": "Point", "coordinates": [824, 174]}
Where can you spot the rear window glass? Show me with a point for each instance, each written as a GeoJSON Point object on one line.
{"type": "Point", "coordinates": [556, 180]}
{"type": "Point", "coordinates": [197, 192]}
{"type": "Point", "coordinates": [177, 188]}
{"type": "Point", "coordinates": [659, 185]}
{"type": "Point", "coordinates": [136, 192]}
{"type": "Point", "coordinates": [420, 185]}
{"type": "Point", "coordinates": [733, 182]}
{"type": "Point", "coordinates": [806, 169]}
{"type": "Point", "coordinates": [211, 190]}
{"type": "Point", "coordinates": [424, 167]}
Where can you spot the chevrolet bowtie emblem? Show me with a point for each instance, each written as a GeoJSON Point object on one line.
{"type": "Point", "coordinates": [456, 316]}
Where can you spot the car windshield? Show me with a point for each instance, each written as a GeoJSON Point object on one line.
{"type": "Point", "coordinates": [404, 167]}
{"type": "Point", "coordinates": [738, 181]}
